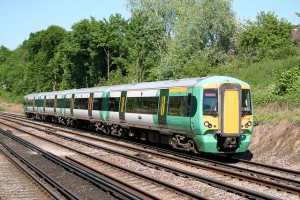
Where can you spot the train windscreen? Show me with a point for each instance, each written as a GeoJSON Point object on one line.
{"type": "Point", "coordinates": [210, 102]}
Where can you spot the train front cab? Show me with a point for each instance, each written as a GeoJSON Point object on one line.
{"type": "Point", "coordinates": [226, 122]}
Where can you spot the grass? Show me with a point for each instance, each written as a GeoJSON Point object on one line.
{"type": "Point", "coordinates": [275, 114]}
{"type": "Point", "coordinates": [260, 75]}
{"type": "Point", "coordinates": [2, 109]}
{"type": "Point", "coordinates": [10, 97]}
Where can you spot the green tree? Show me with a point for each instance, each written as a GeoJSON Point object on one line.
{"type": "Point", "coordinates": [202, 32]}
{"type": "Point", "coordinates": [75, 56]}
{"type": "Point", "coordinates": [268, 36]}
{"type": "Point", "coordinates": [42, 47]}
{"type": "Point", "coordinates": [110, 37]}
{"type": "Point", "coordinates": [149, 31]}
{"type": "Point", "coordinates": [91, 51]}
{"type": "Point", "coordinates": [13, 71]}
{"type": "Point", "coordinates": [159, 12]}
{"type": "Point", "coordinates": [4, 53]}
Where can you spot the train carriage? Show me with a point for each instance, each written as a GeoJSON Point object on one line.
{"type": "Point", "coordinates": [29, 104]}
{"type": "Point", "coordinates": [210, 114]}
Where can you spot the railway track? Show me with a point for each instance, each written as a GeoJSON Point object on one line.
{"type": "Point", "coordinates": [134, 180]}
{"type": "Point", "coordinates": [115, 192]}
{"type": "Point", "coordinates": [291, 176]}
{"type": "Point", "coordinates": [89, 144]}
{"type": "Point", "coordinates": [288, 185]}
{"type": "Point", "coordinates": [208, 158]}
{"type": "Point", "coordinates": [17, 182]}
{"type": "Point", "coordinates": [166, 190]}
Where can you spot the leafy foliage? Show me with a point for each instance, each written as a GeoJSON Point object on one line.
{"type": "Point", "coordinates": [288, 81]}
{"type": "Point", "coordinates": [4, 53]}
{"type": "Point", "coordinates": [267, 37]}
{"type": "Point", "coordinates": [201, 34]}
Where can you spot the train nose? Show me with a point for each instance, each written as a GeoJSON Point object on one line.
{"type": "Point", "coordinates": [230, 120]}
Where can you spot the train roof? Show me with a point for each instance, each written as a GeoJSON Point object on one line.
{"type": "Point", "coordinates": [188, 82]}
{"type": "Point", "coordinates": [180, 83]}
{"type": "Point", "coordinates": [85, 90]}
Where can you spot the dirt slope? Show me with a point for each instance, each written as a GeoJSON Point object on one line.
{"type": "Point", "coordinates": [11, 107]}
{"type": "Point", "coordinates": [277, 144]}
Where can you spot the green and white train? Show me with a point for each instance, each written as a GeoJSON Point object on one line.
{"type": "Point", "coordinates": [210, 114]}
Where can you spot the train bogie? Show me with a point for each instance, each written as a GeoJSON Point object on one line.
{"type": "Point", "coordinates": [210, 114]}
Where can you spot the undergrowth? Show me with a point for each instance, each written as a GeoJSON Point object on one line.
{"type": "Point", "coordinates": [10, 97]}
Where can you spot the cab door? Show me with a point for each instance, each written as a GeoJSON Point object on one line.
{"type": "Point", "coordinates": [230, 120]}
{"type": "Point", "coordinates": [179, 110]}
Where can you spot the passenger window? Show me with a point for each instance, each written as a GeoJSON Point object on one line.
{"type": "Point", "coordinates": [149, 105]}
{"type": "Point", "coordinates": [133, 104]}
{"type": "Point", "coordinates": [59, 103]}
{"type": "Point", "coordinates": [114, 104]}
{"type": "Point", "coordinates": [144, 105]}
{"type": "Point", "coordinates": [176, 106]}
{"type": "Point", "coordinates": [81, 103]}
{"type": "Point", "coordinates": [97, 103]}
{"type": "Point", "coordinates": [68, 102]}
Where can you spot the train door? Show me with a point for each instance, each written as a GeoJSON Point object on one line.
{"type": "Point", "coordinates": [162, 110]}
{"type": "Point", "coordinates": [105, 101]}
{"type": "Point", "coordinates": [33, 104]}
{"type": "Point", "coordinates": [39, 104]}
{"type": "Point", "coordinates": [188, 109]}
{"type": "Point", "coordinates": [230, 105]}
{"type": "Point", "coordinates": [55, 103]}
{"type": "Point", "coordinates": [122, 107]}
{"type": "Point", "coordinates": [44, 103]}
{"type": "Point", "coordinates": [72, 104]}
{"type": "Point", "coordinates": [63, 105]}
{"type": "Point", "coordinates": [90, 105]}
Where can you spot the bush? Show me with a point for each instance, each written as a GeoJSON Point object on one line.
{"type": "Point", "coordinates": [283, 52]}
{"type": "Point", "coordinates": [288, 81]}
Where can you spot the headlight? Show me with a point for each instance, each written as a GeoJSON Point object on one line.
{"type": "Point", "coordinates": [207, 124]}
{"type": "Point", "coordinates": [248, 124]}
